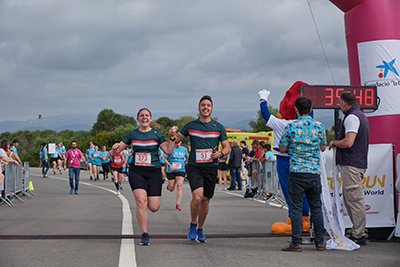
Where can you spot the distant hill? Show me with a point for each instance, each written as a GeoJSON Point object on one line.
{"type": "Point", "coordinates": [230, 119]}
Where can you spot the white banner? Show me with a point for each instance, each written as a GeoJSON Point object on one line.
{"type": "Point", "coordinates": [332, 211]}
{"type": "Point", "coordinates": [377, 184]}
{"type": "Point", "coordinates": [397, 232]}
{"type": "Point", "coordinates": [380, 66]}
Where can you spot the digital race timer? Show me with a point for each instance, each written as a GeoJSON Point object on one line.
{"type": "Point", "coordinates": [328, 96]}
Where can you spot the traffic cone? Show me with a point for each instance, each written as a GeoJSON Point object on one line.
{"type": "Point", "coordinates": [31, 186]}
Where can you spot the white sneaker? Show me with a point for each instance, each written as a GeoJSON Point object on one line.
{"type": "Point", "coordinates": [220, 188]}
{"type": "Point", "coordinates": [224, 188]}
{"type": "Point", "coordinates": [118, 193]}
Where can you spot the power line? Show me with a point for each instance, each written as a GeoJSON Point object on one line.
{"type": "Point", "coordinates": [320, 41]}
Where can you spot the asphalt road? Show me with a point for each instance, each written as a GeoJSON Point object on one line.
{"type": "Point", "coordinates": [98, 228]}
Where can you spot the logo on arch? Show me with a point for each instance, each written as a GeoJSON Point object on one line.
{"type": "Point", "coordinates": [387, 67]}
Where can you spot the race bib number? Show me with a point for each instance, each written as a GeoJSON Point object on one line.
{"type": "Point", "coordinates": [177, 165]}
{"type": "Point", "coordinates": [143, 159]}
{"type": "Point", "coordinates": [117, 160]}
{"type": "Point", "coordinates": [203, 155]}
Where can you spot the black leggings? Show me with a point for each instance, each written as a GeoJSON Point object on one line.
{"type": "Point", "coordinates": [106, 168]}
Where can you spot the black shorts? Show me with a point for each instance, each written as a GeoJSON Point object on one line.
{"type": "Point", "coordinates": [163, 164]}
{"type": "Point", "coordinates": [147, 178]}
{"type": "Point", "coordinates": [172, 175]}
{"type": "Point", "coordinates": [222, 166]}
{"type": "Point", "coordinates": [55, 159]}
{"type": "Point", "coordinates": [119, 170]}
{"type": "Point", "coordinates": [202, 177]}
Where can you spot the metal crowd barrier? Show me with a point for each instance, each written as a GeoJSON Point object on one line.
{"type": "Point", "coordinates": [16, 183]}
{"type": "Point", "coordinates": [268, 184]}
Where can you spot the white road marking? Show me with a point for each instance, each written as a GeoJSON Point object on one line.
{"type": "Point", "coordinates": [127, 253]}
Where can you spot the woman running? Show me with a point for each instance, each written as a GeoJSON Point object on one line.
{"type": "Point", "coordinates": [176, 171]}
{"type": "Point", "coordinates": [96, 163]}
{"type": "Point", "coordinates": [117, 163]}
{"type": "Point", "coordinates": [145, 176]}
{"type": "Point", "coordinates": [105, 163]}
{"type": "Point", "coordinates": [88, 155]}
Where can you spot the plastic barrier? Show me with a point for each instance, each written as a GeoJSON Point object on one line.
{"type": "Point", "coordinates": [267, 185]}
{"type": "Point", "coordinates": [16, 183]}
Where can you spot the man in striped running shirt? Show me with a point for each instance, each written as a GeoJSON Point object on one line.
{"type": "Point", "coordinates": [205, 136]}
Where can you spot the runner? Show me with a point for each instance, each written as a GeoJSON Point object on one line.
{"type": "Point", "coordinates": [163, 164]}
{"type": "Point", "coordinates": [176, 171]}
{"type": "Point", "coordinates": [205, 135]}
{"type": "Point", "coordinates": [96, 163]}
{"type": "Point", "coordinates": [105, 163]}
{"type": "Point", "coordinates": [56, 159]}
{"type": "Point", "coordinates": [44, 159]}
{"type": "Point", "coordinates": [145, 175]}
{"type": "Point", "coordinates": [88, 155]}
{"type": "Point", "coordinates": [117, 161]}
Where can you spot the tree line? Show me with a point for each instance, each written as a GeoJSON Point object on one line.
{"type": "Point", "coordinates": [109, 128]}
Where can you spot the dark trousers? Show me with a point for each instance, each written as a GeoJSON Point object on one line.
{"type": "Point", "coordinates": [309, 184]}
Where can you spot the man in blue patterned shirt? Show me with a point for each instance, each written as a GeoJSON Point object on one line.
{"type": "Point", "coordinates": [303, 140]}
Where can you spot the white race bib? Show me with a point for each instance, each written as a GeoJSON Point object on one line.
{"type": "Point", "coordinates": [203, 155]}
{"type": "Point", "coordinates": [143, 159]}
{"type": "Point", "coordinates": [177, 165]}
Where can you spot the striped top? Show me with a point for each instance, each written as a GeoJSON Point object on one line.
{"type": "Point", "coordinates": [145, 147]}
{"type": "Point", "coordinates": [204, 137]}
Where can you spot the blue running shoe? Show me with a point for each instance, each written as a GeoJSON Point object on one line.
{"type": "Point", "coordinates": [192, 231]}
{"type": "Point", "coordinates": [200, 236]}
{"type": "Point", "coordinates": [72, 191]}
{"type": "Point", "coordinates": [76, 192]}
{"type": "Point", "coordinates": [145, 240]}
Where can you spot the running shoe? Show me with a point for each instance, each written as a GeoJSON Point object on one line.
{"type": "Point", "coordinates": [145, 240]}
{"type": "Point", "coordinates": [116, 185]}
{"type": "Point", "coordinates": [54, 173]}
{"type": "Point", "coordinates": [192, 231]}
{"type": "Point", "coordinates": [91, 178]}
{"type": "Point", "coordinates": [200, 236]}
{"type": "Point", "coordinates": [118, 193]}
{"type": "Point", "coordinates": [220, 188]}
{"type": "Point", "coordinates": [178, 207]}
{"type": "Point", "coordinates": [76, 192]}
{"type": "Point", "coordinates": [120, 188]}
{"type": "Point", "coordinates": [71, 191]}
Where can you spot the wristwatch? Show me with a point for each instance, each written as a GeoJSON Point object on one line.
{"type": "Point", "coordinates": [172, 139]}
{"type": "Point", "coordinates": [222, 155]}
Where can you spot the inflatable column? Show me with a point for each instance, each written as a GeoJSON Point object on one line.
{"type": "Point", "coordinates": [373, 47]}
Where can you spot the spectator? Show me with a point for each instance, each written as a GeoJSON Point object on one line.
{"type": "Point", "coordinates": [303, 139]}
{"type": "Point", "coordinates": [268, 155]}
{"type": "Point", "coordinates": [256, 158]}
{"type": "Point", "coordinates": [235, 163]}
{"type": "Point", "coordinates": [352, 157]}
{"type": "Point", "coordinates": [15, 144]}
{"type": "Point", "coordinates": [222, 169]}
{"type": "Point", "coordinates": [5, 145]}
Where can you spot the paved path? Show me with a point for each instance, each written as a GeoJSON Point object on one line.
{"type": "Point", "coordinates": [98, 228]}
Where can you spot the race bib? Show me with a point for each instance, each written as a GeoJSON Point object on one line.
{"type": "Point", "coordinates": [117, 160]}
{"type": "Point", "coordinates": [177, 165]}
{"type": "Point", "coordinates": [203, 155]}
{"type": "Point", "coordinates": [143, 159]}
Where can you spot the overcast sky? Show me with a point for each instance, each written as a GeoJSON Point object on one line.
{"type": "Point", "coordinates": [59, 57]}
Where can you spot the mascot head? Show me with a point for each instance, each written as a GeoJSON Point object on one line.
{"type": "Point", "coordinates": [286, 107]}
